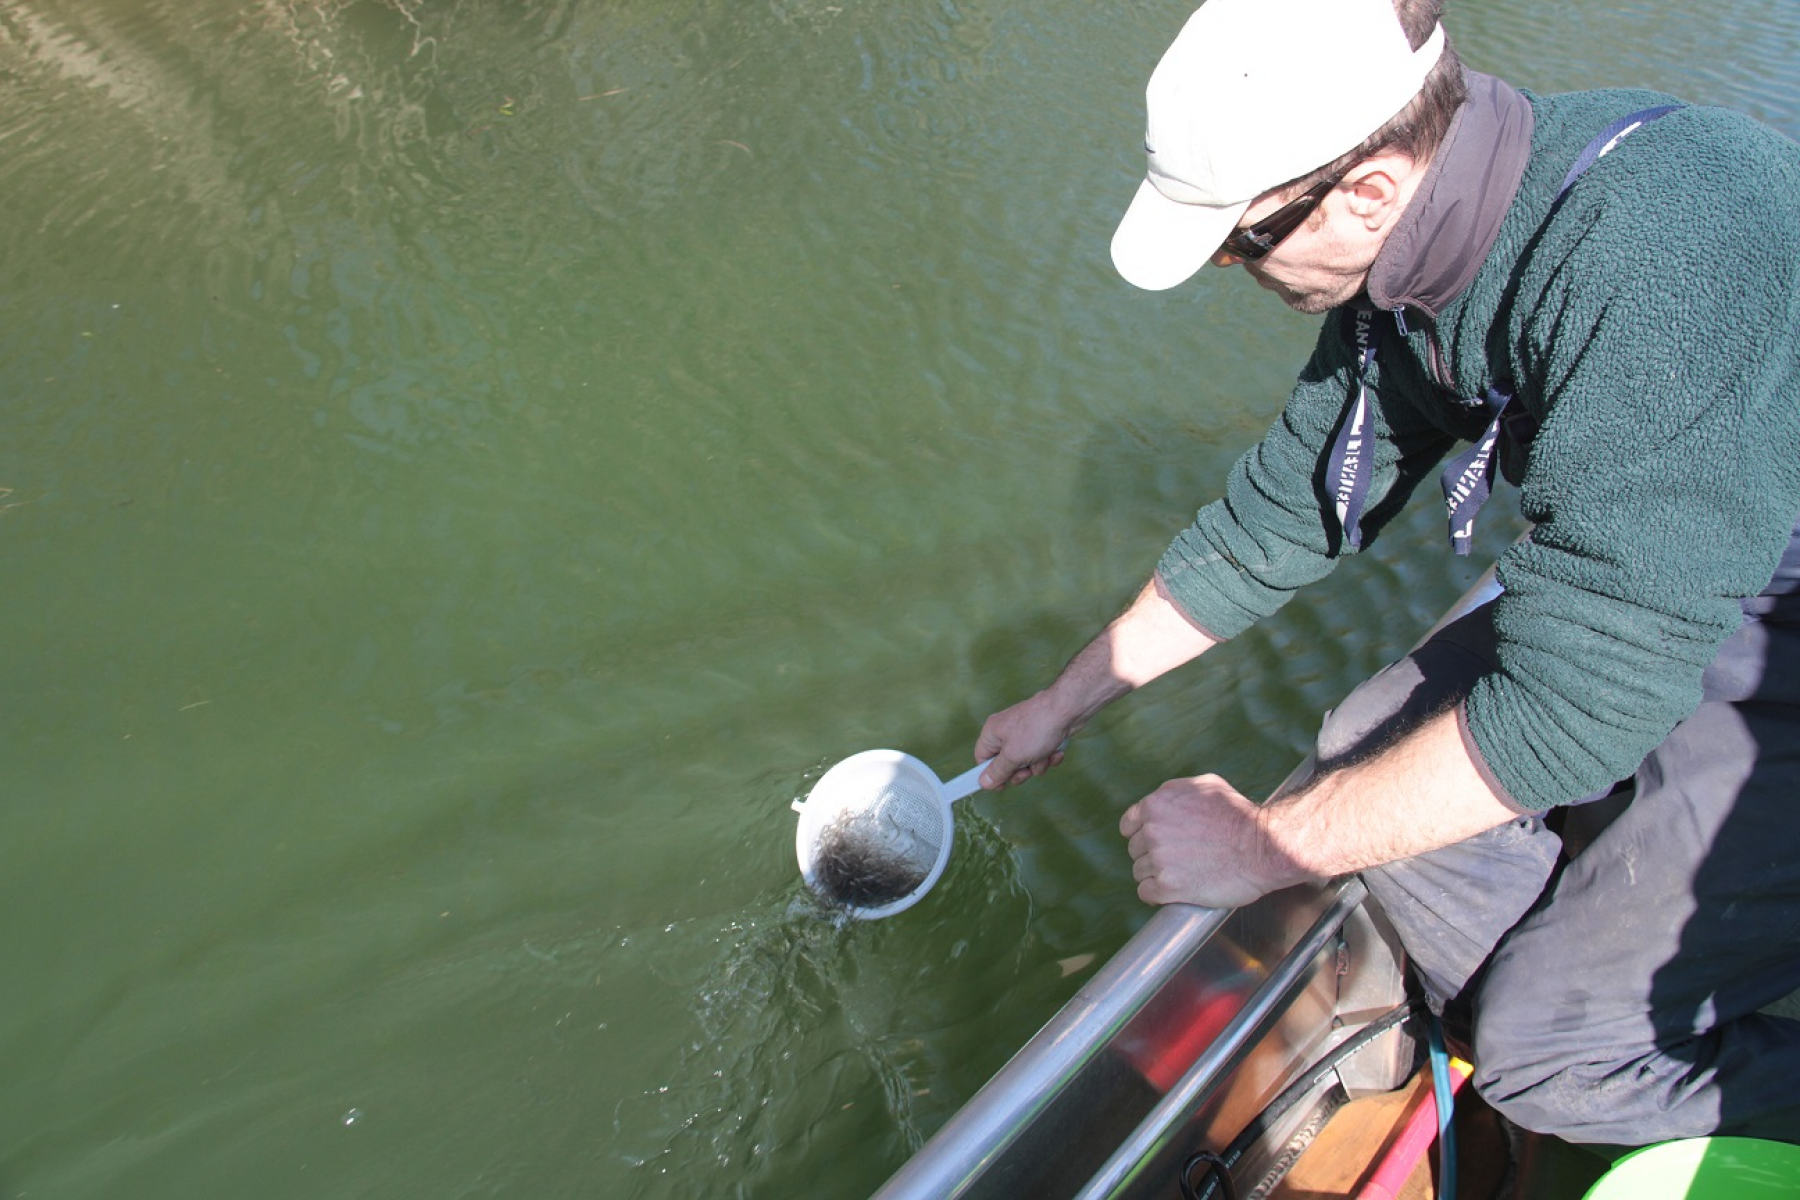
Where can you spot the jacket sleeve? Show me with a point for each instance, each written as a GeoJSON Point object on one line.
{"type": "Point", "coordinates": [1275, 529]}
{"type": "Point", "coordinates": [1661, 351]}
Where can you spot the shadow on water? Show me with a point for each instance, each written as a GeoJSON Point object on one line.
{"type": "Point", "coordinates": [1248, 711]}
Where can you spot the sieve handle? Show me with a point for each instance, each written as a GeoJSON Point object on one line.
{"type": "Point", "coordinates": [966, 784]}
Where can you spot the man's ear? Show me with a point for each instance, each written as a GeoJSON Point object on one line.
{"type": "Point", "coordinates": [1378, 187]}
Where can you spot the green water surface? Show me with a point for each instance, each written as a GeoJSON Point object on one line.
{"type": "Point", "coordinates": [465, 467]}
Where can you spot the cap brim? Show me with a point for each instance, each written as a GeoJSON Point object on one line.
{"type": "Point", "coordinates": [1162, 242]}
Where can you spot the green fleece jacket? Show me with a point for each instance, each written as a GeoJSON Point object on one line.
{"type": "Point", "coordinates": [1650, 322]}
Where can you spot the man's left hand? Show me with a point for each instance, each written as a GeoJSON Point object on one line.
{"type": "Point", "coordinates": [1201, 841]}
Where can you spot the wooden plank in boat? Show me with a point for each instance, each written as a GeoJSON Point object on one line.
{"type": "Point", "coordinates": [1345, 1154]}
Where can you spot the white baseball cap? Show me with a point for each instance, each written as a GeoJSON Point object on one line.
{"type": "Point", "coordinates": [1253, 94]}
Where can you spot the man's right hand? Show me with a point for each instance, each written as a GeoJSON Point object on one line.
{"type": "Point", "coordinates": [1149, 638]}
{"type": "Point", "coordinates": [1024, 741]}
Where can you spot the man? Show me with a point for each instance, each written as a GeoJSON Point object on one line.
{"type": "Point", "coordinates": [1597, 295]}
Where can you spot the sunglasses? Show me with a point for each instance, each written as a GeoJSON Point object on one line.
{"type": "Point", "coordinates": [1255, 241]}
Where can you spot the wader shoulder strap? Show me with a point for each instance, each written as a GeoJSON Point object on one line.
{"type": "Point", "coordinates": [1469, 478]}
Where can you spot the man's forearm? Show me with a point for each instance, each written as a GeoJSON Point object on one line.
{"type": "Point", "coordinates": [1149, 639]}
{"type": "Point", "coordinates": [1422, 793]}
{"type": "Point", "coordinates": [1201, 841]}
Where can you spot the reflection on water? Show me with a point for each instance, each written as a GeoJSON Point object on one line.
{"type": "Point", "coordinates": [467, 467]}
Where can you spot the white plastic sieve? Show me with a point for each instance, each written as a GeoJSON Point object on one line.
{"type": "Point", "coordinates": [875, 831]}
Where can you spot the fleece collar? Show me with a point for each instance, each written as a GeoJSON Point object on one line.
{"type": "Point", "coordinates": [1445, 234]}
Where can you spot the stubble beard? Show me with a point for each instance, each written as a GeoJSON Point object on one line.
{"type": "Point", "coordinates": [1314, 302]}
